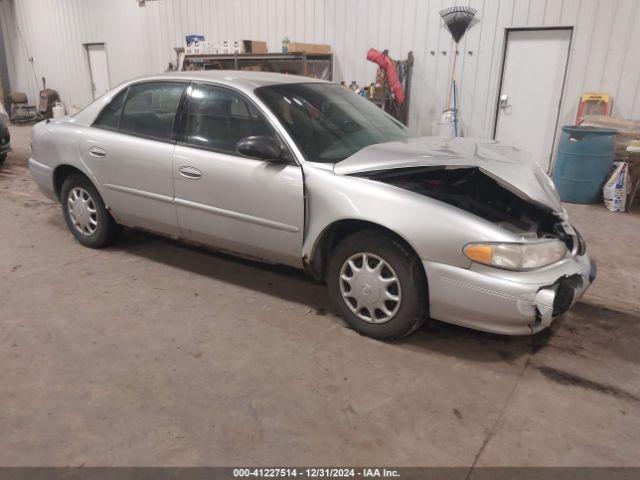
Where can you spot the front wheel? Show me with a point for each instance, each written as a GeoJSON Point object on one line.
{"type": "Point", "coordinates": [85, 213]}
{"type": "Point", "coordinates": [378, 285]}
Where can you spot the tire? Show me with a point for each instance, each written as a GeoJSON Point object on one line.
{"type": "Point", "coordinates": [3, 157]}
{"type": "Point", "coordinates": [91, 224]}
{"type": "Point", "coordinates": [390, 258]}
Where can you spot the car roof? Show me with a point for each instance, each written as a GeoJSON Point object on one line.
{"type": "Point", "coordinates": [238, 78]}
{"type": "Point", "coordinates": [242, 80]}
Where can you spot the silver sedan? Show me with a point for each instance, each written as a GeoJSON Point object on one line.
{"type": "Point", "coordinates": [300, 172]}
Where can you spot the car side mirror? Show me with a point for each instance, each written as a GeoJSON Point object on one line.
{"type": "Point", "coordinates": [263, 147]}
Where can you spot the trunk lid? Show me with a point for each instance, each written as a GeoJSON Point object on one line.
{"type": "Point", "coordinates": [510, 167]}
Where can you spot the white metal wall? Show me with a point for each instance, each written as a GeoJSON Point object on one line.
{"type": "Point", "coordinates": [604, 53]}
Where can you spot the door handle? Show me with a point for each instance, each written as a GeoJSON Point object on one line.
{"type": "Point", "coordinates": [504, 101]}
{"type": "Point", "coordinates": [191, 173]}
{"type": "Point", "coordinates": [97, 152]}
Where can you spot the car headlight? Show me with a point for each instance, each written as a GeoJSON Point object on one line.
{"type": "Point", "coordinates": [517, 256]}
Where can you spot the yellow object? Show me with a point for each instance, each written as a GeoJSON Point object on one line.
{"type": "Point", "coordinates": [593, 103]}
{"type": "Point", "coordinates": [479, 253]}
{"type": "Point", "coordinates": [596, 97]}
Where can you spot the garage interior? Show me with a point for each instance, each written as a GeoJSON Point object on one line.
{"type": "Point", "coordinates": [155, 353]}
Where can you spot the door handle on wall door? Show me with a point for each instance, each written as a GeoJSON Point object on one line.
{"type": "Point", "coordinates": [191, 173]}
{"type": "Point", "coordinates": [97, 152]}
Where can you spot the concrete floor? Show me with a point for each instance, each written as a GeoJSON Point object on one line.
{"type": "Point", "coordinates": [154, 353]}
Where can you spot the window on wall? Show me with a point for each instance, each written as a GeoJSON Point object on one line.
{"type": "Point", "coordinates": [150, 109]}
{"type": "Point", "coordinates": [218, 118]}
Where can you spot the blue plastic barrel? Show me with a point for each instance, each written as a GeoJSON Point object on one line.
{"type": "Point", "coordinates": [585, 156]}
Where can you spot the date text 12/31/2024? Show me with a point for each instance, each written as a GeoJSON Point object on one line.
{"type": "Point", "coordinates": [315, 473]}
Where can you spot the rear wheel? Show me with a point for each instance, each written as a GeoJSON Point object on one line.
{"type": "Point", "coordinates": [377, 285]}
{"type": "Point", "coordinates": [85, 213]}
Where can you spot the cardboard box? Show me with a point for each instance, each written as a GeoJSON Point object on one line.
{"type": "Point", "coordinates": [254, 46]}
{"type": "Point", "coordinates": [297, 47]}
{"type": "Point", "coordinates": [197, 46]}
{"type": "Point", "coordinates": [230, 47]}
{"type": "Point", "coordinates": [194, 44]}
{"type": "Point", "coordinates": [193, 38]}
{"type": "Point", "coordinates": [206, 47]}
{"type": "Point", "coordinates": [226, 47]}
{"type": "Point", "coordinates": [193, 50]}
{"type": "Point", "coordinates": [242, 46]}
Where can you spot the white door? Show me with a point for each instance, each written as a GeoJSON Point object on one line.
{"type": "Point", "coordinates": [532, 82]}
{"type": "Point", "coordinates": [98, 68]}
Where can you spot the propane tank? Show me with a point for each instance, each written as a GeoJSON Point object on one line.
{"type": "Point", "coordinates": [58, 110]}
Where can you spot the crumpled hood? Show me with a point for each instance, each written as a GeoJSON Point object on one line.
{"type": "Point", "coordinates": [509, 166]}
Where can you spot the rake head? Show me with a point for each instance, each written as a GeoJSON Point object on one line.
{"type": "Point", "coordinates": [457, 20]}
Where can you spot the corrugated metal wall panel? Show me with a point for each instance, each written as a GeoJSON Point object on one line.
{"type": "Point", "coordinates": [141, 40]}
{"type": "Point", "coordinates": [628, 93]}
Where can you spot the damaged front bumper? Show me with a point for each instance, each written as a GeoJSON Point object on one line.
{"type": "Point", "coordinates": [507, 302]}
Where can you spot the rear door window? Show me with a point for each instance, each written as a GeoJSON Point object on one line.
{"type": "Point", "coordinates": [150, 109]}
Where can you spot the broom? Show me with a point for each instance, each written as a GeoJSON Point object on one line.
{"type": "Point", "coordinates": [457, 20]}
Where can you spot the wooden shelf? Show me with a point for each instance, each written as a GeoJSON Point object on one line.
{"type": "Point", "coordinates": [261, 56]}
{"type": "Point", "coordinates": [317, 65]}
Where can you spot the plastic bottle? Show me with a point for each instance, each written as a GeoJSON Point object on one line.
{"type": "Point", "coordinates": [58, 110]}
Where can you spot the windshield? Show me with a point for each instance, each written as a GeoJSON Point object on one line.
{"type": "Point", "coordinates": [327, 122]}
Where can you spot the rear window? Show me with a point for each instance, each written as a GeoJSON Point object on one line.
{"type": "Point", "coordinates": [150, 109]}
{"type": "Point", "coordinates": [110, 115]}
